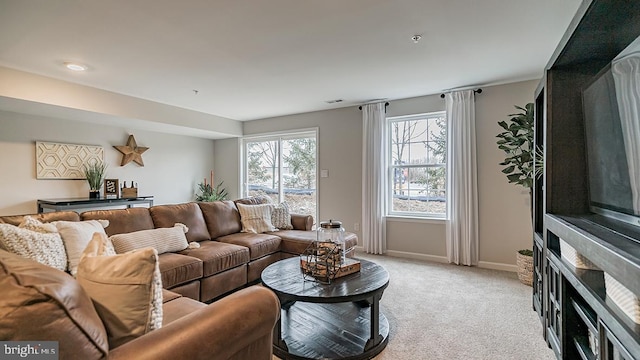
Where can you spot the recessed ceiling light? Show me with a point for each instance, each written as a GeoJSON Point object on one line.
{"type": "Point", "coordinates": [75, 66]}
{"type": "Point", "coordinates": [334, 101]}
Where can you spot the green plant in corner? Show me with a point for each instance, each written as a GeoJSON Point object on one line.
{"type": "Point", "coordinates": [523, 163]}
{"type": "Point", "coordinates": [208, 192]}
{"type": "Point", "coordinates": [95, 173]}
{"type": "Point", "coordinates": [517, 142]}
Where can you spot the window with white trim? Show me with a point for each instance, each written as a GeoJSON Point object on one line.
{"type": "Point", "coordinates": [417, 174]}
{"type": "Point", "coordinates": [283, 167]}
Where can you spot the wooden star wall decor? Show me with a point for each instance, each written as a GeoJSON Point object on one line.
{"type": "Point", "coordinates": [131, 152]}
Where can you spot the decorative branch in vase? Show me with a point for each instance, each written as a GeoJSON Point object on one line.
{"type": "Point", "coordinates": [208, 192]}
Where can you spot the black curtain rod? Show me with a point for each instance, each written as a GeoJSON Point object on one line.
{"type": "Point", "coordinates": [385, 106]}
{"type": "Point", "coordinates": [477, 91]}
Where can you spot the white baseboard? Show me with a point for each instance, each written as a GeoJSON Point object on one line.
{"type": "Point", "coordinates": [443, 259]}
{"type": "Point", "coordinates": [416, 256]}
{"type": "Point", "coordinates": [498, 266]}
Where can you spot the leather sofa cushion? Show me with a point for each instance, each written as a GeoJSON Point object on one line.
{"type": "Point", "coordinates": [169, 295]}
{"type": "Point", "coordinates": [45, 217]}
{"type": "Point", "coordinates": [302, 222]}
{"type": "Point", "coordinates": [177, 269]}
{"type": "Point", "coordinates": [296, 241]}
{"type": "Point", "coordinates": [176, 308]}
{"type": "Point", "coordinates": [259, 244]}
{"type": "Point", "coordinates": [122, 220]}
{"type": "Point", "coordinates": [217, 256]}
{"type": "Point", "coordinates": [188, 214]}
{"type": "Point", "coordinates": [41, 303]}
{"type": "Point", "coordinates": [222, 218]}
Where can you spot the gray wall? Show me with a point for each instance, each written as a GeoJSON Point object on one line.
{"type": "Point", "coordinates": [504, 215]}
{"type": "Point", "coordinates": [174, 164]}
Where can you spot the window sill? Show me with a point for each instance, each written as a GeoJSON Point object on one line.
{"type": "Point", "coordinates": [424, 220]}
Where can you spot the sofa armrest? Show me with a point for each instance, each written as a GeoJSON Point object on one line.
{"type": "Point", "coordinates": [239, 325]}
{"type": "Point", "coordinates": [302, 222]}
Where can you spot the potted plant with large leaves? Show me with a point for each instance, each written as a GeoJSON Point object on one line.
{"type": "Point", "coordinates": [517, 142]}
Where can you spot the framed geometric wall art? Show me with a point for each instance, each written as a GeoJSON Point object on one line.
{"type": "Point", "coordinates": [65, 161]}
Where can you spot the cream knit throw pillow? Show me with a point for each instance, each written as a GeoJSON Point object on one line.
{"type": "Point", "coordinates": [44, 247]}
{"type": "Point", "coordinates": [280, 216]}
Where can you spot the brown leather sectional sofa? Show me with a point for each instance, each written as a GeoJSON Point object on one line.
{"type": "Point", "coordinates": [39, 303]}
{"type": "Point", "coordinates": [42, 304]}
{"type": "Point", "coordinates": [227, 259]}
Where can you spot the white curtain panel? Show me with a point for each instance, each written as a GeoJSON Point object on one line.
{"type": "Point", "coordinates": [462, 188]}
{"type": "Point", "coordinates": [374, 155]}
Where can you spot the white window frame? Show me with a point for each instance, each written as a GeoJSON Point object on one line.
{"type": "Point", "coordinates": [391, 170]}
{"type": "Point", "coordinates": [277, 136]}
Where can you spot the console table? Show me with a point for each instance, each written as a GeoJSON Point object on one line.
{"type": "Point", "coordinates": [84, 203]}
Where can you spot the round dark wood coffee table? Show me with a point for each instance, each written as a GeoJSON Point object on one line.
{"type": "Point", "coordinates": [341, 320]}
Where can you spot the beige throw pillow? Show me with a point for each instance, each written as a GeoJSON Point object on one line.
{"type": "Point", "coordinates": [280, 216]}
{"type": "Point", "coordinates": [256, 218]}
{"type": "Point", "coordinates": [162, 239]}
{"type": "Point", "coordinates": [126, 289]}
{"type": "Point", "coordinates": [45, 248]}
{"type": "Point", "coordinates": [76, 235]}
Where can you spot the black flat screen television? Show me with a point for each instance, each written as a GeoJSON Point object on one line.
{"type": "Point", "coordinates": [611, 106]}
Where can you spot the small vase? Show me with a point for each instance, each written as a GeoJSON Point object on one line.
{"type": "Point", "coordinates": [94, 194]}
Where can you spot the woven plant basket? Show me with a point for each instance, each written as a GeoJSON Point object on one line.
{"type": "Point", "coordinates": [525, 268]}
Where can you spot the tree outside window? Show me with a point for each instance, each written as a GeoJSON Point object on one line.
{"type": "Point", "coordinates": [283, 168]}
{"type": "Point", "coordinates": [417, 170]}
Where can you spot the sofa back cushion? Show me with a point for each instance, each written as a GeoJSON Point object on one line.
{"type": "Point", "coordinates": [42, 303]}
{"type": "Point", "coordinates": [222, 218]}
{"type": "Point", "coordinates": [122, 220]}
{"type": "Point", "coordinates": [165, 216]}
{"type": "Point", "coordinates": [45, 217]}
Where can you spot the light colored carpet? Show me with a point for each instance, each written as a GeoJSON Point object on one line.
{"type": "Point", "coordinates": [440, 311]}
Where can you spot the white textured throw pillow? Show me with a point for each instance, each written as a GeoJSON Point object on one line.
{"type": "Point", "coordinates": [36, 225]}
{"type": "Point", "coordinates": [256, 218]}
{"type": "Point", "coordinates": [162, 239]}
{"type": "Point", "coordinates": [280, 216]}
{"type": "Point", "coordinates": [76, 236]}
{"type": "Point", "coordinates": [45, 248]}
{"type": "Point", "coordinates": [126, 289]}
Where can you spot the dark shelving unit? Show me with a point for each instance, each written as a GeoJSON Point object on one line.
{"type": "Point", "coordinates": [579, 320]}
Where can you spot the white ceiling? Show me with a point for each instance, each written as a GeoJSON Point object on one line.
{"type": "Point", "coordinates": [251, 59]}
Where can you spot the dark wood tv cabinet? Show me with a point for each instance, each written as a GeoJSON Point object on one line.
{"type": "Point", "coordinates": [579, 320]}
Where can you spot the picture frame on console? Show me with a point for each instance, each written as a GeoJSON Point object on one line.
{"type": "Point", "coordinates": [111, 188]}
